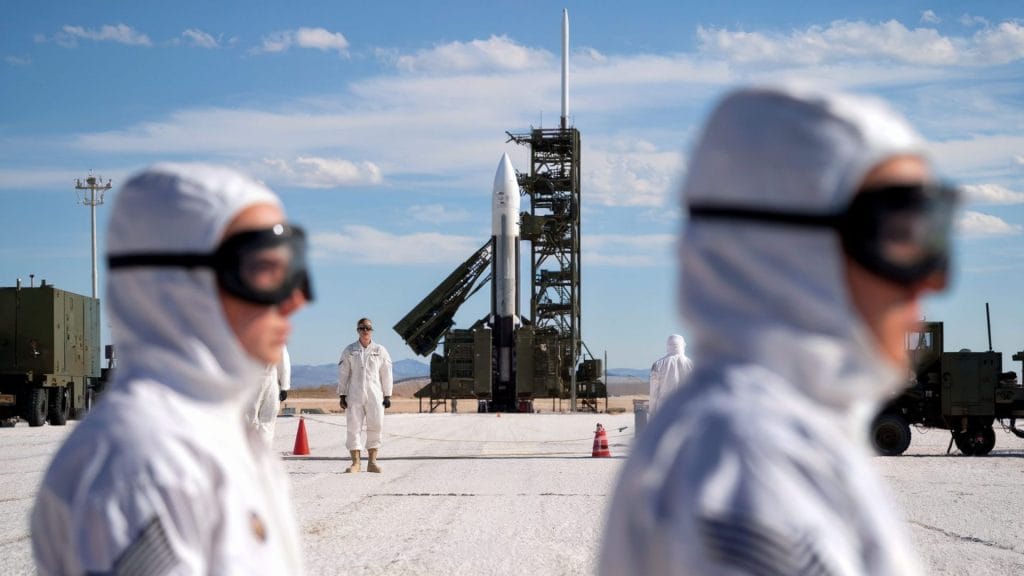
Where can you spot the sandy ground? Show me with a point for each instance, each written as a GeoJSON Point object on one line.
{"type": "Point", "coordinates": [520, 494]}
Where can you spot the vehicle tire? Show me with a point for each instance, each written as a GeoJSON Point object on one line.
{"type": "Point", "coordinates": [976, 441]}
{"type": "Point", "coordinates": [988, 442]}
{"type": "Point", "coordinates": [890, 435]}
{"type": "Point", "coordinates": [60, 405]}
{"type": "Point", "coordinates": [963, 443]}
{"type": "Point", "coordinates": [37, 407]}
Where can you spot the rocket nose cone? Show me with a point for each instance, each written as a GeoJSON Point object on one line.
{"type": "Point", "coordinates": [505, 176]}
{"type": "Point", "coordinates": [504, 169]}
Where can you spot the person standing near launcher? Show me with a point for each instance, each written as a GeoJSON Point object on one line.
{"type": "Point", "coordinates": [669, 371]}
{"type": "Point", "coordinates": [274, 387]}
{"type": "Point", "coordinates": [364, 390]}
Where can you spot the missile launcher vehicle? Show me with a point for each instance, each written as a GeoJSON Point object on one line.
{"type": "Point", "coordinates": [964, 392]}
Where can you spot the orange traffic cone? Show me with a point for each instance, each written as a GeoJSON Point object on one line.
{"type": "Point", "coordinates": [301, 442]}
{"type": "Point", "coordinates": [601, 443]}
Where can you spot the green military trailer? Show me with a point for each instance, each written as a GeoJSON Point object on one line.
{"type": "Point", "coordinates": [49, 354]}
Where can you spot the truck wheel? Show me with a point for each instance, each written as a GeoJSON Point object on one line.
{"type": "Point", "coordinates": [964, 443]}
{"type": "Point", "coordinates": [988, 441]}
{"type": "Point", "coordinates": [60, 406]}
{"type": "Point", "coordinates": [976, 442]}
{"type": "Point", "coordinates": [37, 407]}
{"type": "Point", "coordinates": [890, 435]}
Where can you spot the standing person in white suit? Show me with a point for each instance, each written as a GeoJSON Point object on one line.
{"type": "Point", "coordinates": [165, 475]}
{"type": "Point", "coordinates": [364, 390]}
{"type": "Point", "coordinates": [815, 227]}
{"type": "Point", "coordinates": [669, 371]}
{"type": "Point", "coordinates": [274, 387]}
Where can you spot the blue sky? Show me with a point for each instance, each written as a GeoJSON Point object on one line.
{"type": "Point", "coordinates": [381, 125]}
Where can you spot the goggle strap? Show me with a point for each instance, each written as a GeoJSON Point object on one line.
{"type": "Point", "coordinates": [186, 260]}
{"type": "Point", "coordinates": [789, 218]}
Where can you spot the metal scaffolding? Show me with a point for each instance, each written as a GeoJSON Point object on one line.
{"type": "Point", "coordinates": [553, 229]}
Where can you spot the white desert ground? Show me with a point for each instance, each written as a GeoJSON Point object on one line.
{"type": "Point", "coordinates": [470, 493]}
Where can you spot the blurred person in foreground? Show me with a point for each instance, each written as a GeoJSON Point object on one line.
{"type": "Point", "coordinates": [815, 227]}
{"type": "Point", "coordinates": [274, 387]}
{"type": "Point", "coordinates": [365, 382]}
{"type": "Point", "coordinates": [669, 371]}
{"type": "Point", "coordinates": [165, 475]}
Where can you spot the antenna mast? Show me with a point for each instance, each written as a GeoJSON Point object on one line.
{"type": "Point", "coordinates": [565, 68]}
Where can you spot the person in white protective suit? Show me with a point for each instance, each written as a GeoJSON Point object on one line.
{"type": "Point", "coordinates": [815, 227]}
{"type": "Point", "coordinates": [274, 387]}
{"type": "Point", "coordinates": [364, 390]}
{"type": "Point", "coordinates": [164, 475]}
{"type": "Point", "coordinates": [669, 371]}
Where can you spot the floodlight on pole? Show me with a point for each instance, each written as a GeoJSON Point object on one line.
{"type": "Point", "coordinates": [91, 194]}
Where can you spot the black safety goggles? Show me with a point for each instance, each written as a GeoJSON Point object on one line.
{"type": "Point", "coordinates": [258, 266]}
{"type": "Point", "coordinates": [902, 233]}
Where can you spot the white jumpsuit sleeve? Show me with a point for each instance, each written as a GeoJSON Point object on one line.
{"type": "Point", "coordinates": [284, 370]}
{"type": "Point", "coordinates": [385, 373]}
{"type": "Point", "coordinates": [655, 394]}
{"type": "Point", "coordinates": [144, 527]}
{"type": "Point", "coordinates": [344, 372]}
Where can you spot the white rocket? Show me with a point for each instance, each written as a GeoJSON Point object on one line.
{"type": "Point", "coordinates": [505, 233]}
{"type": "Point", "coordinates": [505, 274]}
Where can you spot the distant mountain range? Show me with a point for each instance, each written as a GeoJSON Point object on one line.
{"type": "Point", "coordinates": [314, 376]}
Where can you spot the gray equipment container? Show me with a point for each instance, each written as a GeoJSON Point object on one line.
{"type": "Point", "coordinates": [641, 410]}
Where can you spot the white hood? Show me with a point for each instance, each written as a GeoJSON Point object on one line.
{"type": "Point", "coordinates": [676, 345]}
{"type": "Point", "coordinates": [775, 294]}
{"type": "Point", "coordinates": [171, 319]}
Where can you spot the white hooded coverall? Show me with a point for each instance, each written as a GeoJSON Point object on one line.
{"type": "Point", "coordinates": [669, 371]}
{"type": "Point", "coordinates": [760, 464]}
{"type": "Point", "coordinates": [263, 413]}
{"type": "Point", "coordinates": [364, 378]}
{"type": "Point", "coordinates": [164, 475]}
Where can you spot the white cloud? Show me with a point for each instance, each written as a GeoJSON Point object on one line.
{"type": "Point", "coordinates": [636, 175]}
{"type": "Point", "coordinates": [438, 214]}
{"type": "Point", "coordinates": [973, 21]}
{"type": "Point", "coordinates": [199, 38]}
{"type": "Point", "coordinates": [627, 250]}
{"type": "Point", "coordinates": [367, 245]}
{"type": "Point", "coordinates": [999, 45]}
{"type": "Point", "coordinates": [315, 38]}
{"type": "Point", "coordinates": [120, 33]}
{"type": "Point", "coordinates": [18, 60]}
{"type": "Point", "coordinates": [276, 42]}
{"type": "Point", "coordinates": [321, 39]}
{"type": "Point", "coordinates": [48, 178]}
{"type": "Point", "coordinates": [973, 224]}
{"type": "Point", "coordinates": [395, 121]}
{"type": "Point", "coordinates": [1019, 159]}
{"type": "Point", "coordinates": [975, 152]}
{"type": "Point", "coordinates": [496, 53]}
{"type": "Point", "coordinates": [315, 172]}
{"type": "Point", "coordinates": [929, 17]}
{"type": "Point", "coordinates": [992, 194]}
{"type": "Point", "coordinates": [857, 40]}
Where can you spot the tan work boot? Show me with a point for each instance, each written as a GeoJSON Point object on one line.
{"type": "Point", "coordinates": [355, 462]}
{"type": "Point", "coordinates": [372, 466]}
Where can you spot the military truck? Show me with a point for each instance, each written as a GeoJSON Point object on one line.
{"type": "Point", "coordinates": [49, 354]}
{"type": "Point", "coordinates": [964, 392]}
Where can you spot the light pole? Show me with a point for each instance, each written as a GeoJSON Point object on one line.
{"type": "Point", "coordinates": [92, 196]}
